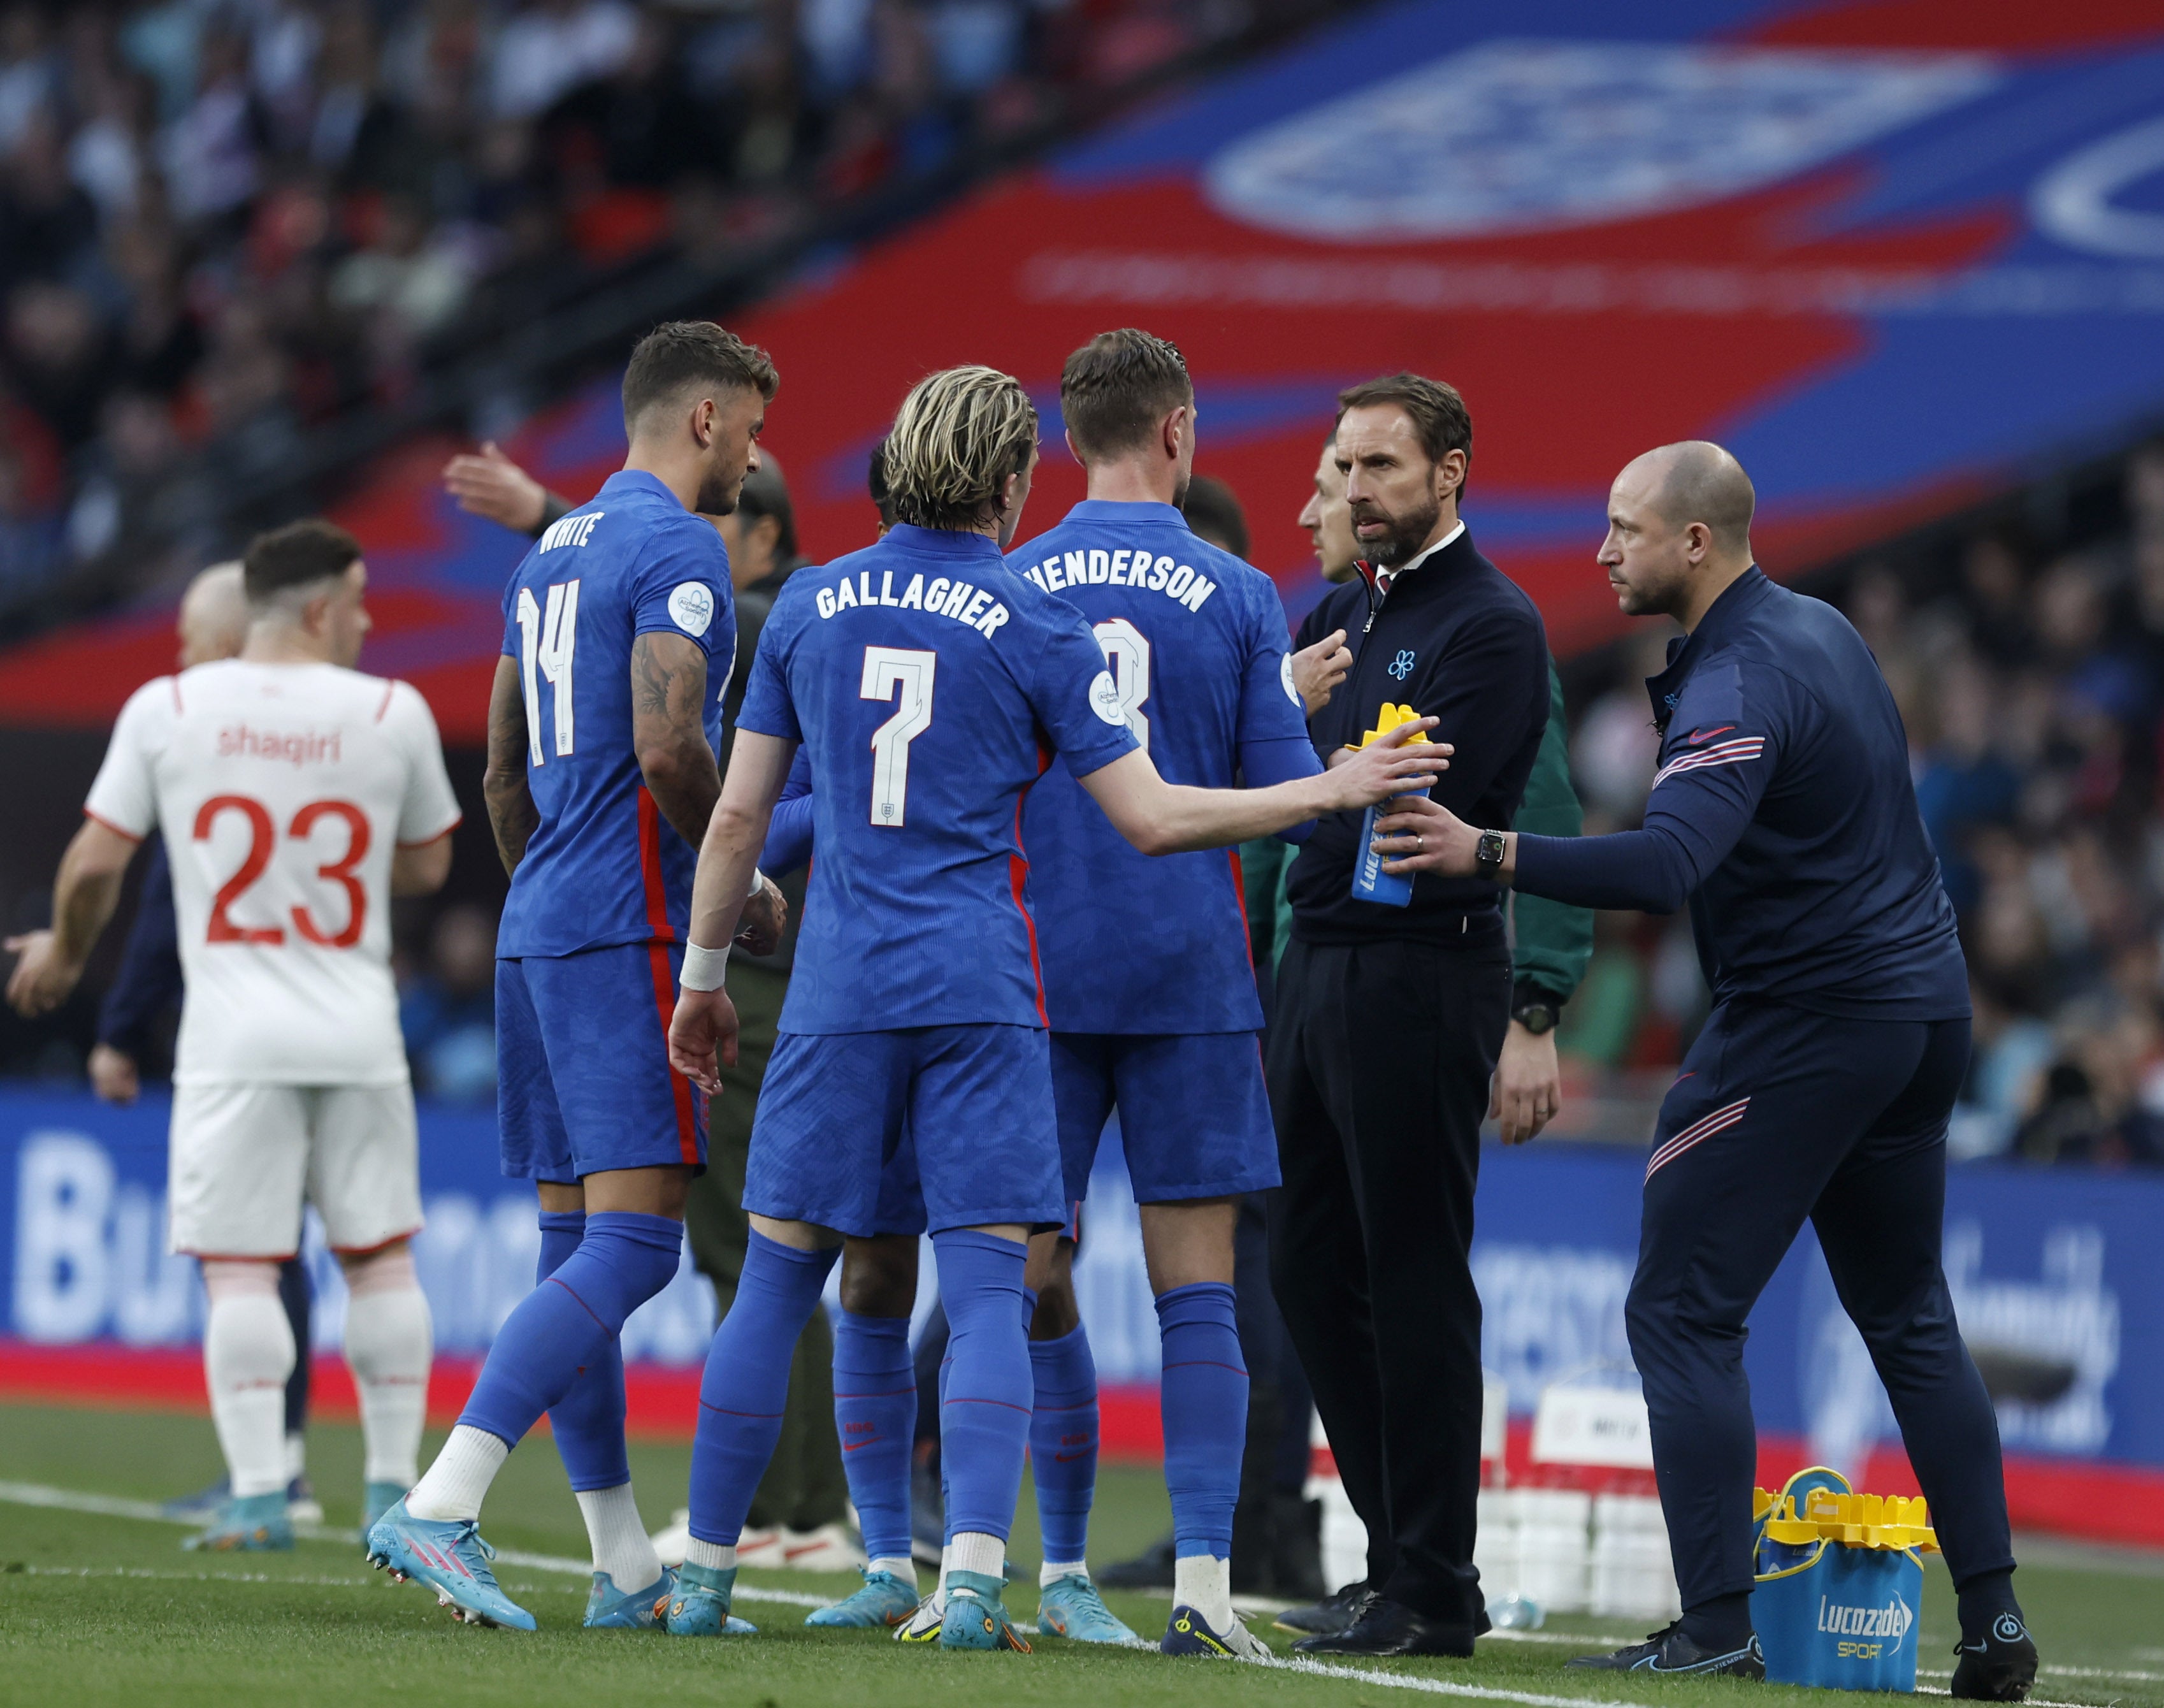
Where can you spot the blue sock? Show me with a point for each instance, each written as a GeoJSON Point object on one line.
{"type": "Point", "coordinates": [875, 1415]}
{"type": "Point", "coordinates": [588, 1421]}
{"type": "Point", "coordinates": [746, 1384]}
{"type": "Point", "coordinates": [1206, 1414]}
{"type": "Point", "coordinates": [1062, 1443]}
{"type": "Point", "coordinates": [984, 1416]}
{"type": "Point", "coordinates": [567, 1326]}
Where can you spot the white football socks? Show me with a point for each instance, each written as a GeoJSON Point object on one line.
{"type": "Point", "coordinates": [248, 1355]}
{"type": "Point", "coordinates": [389, 1342]}
{"type": "Point", "coordinates": [296, 1444]}
{"type": "Point", "coordinates": [1203, 1582]}
{"type": "Point", "coordinates": [455, 1486]}
{"type": "Point", "coordinates": [974, 1551]}
{"type": "Point", "coordinates": [1052, 1571]}
{"type": "Point", "coordinates": [621, 1547]}
{"type": "Point", "coordinates": [714, 1556]}
{"type": "Point", "coordinates": [897, 1566]}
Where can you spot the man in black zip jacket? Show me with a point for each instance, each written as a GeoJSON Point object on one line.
{"type": "Point", "coordinates": [1388, 1024]}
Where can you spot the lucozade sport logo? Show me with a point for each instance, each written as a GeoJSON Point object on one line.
{"type": "Point", "coordinates": [1889, 1623]}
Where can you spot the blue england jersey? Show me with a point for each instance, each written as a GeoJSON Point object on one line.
{"type": "Point", "coordinates": [1195, 641]}
{"type": "Point", "coordinates": [604, 866]}
{"type": "Point", "coordinates": [926, 682]}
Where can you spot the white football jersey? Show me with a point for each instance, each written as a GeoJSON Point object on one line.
{"type": "Point", "coordinates": [282, 791]}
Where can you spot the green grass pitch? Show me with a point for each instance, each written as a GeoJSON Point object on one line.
{"type": "Point", "coordinates": [99, 1608]}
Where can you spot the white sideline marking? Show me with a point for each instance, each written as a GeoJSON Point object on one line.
{"type": "Point", "coordinates": [118, 1507]}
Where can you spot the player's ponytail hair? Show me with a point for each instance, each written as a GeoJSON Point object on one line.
{"type": "Point", "coordinates": [958, 436]}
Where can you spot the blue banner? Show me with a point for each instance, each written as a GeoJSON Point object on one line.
{"type": "Point", "coordinates": [2058, 1277]}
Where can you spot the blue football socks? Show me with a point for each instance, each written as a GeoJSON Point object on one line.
{"type": "Point", "coordinates": [567, 1327]}
{"type": "Point", "coordinates": [587, 1422]}
{"type": "Point", "coordinates": [746, 1384]}
{"type": "Point", "coordinates": [1206, 1414]}
{"type": "Point", "coordinates": [875, 1415]}
{"type": "Point", "coordinates": [983, 1420]}
{"type": "Point", "coordinates": [1062, 1443]}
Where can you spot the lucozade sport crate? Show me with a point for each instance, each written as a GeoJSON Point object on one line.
{"type": "Point", "coordinates": [1840, 1584]}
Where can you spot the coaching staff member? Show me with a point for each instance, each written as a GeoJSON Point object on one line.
{"type": "Point", "coordinates": [1821, 1084]}
{"type": "Point", "coordinates": [1388, 1024]}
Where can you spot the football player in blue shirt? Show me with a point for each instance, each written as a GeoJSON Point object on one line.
{"type": "Point", "coordinates": [1148, 983]}
{"type": "Point", "coordinates": [927, 680]}
{"type": "Point", "coordinates": [604, 724]}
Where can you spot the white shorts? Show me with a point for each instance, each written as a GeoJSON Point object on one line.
{"type": "Point", "coordinates": [244, 1160]}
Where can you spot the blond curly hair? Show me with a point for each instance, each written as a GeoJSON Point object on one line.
{"type": "Point", "coordinates": [957, 437]}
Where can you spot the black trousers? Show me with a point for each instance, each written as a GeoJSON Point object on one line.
{"type": "Point", "coordinates": [1781, 1114]}
{"type": "Point", "coordinates": [1379, 1062]}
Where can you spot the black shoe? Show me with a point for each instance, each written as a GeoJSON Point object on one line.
{"type": "Point", "coordinates": [1670, 1651]}
{"type": "Point", "coordinates": [1150, 1570]}
{"type": "Point", "coordinates": [1296, 1547]}
{"type": "Point", "coordinates": [2001, 1668]}
{"type": "Point", "coordinates": [1326, 1617]}
{"type": "Point", "coordinates": [1385, 1627]}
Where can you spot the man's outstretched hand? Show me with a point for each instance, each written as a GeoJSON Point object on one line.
{"type": "Point", "coordinates": [1386, 767]}
{"type": "Point", "coordinates": [1421, 836]}
{"type": "Point", "coordinates": [765, 917]}
{"type": "Point", "coordinates": [42, 980]}
{"type": "Point", "coordinates": [489, 484]}
{"type": "Point", "coordinates": [703, 1037]}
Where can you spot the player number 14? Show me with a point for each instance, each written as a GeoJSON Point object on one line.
{"type": "Point", "coordinates": [892, 672]}
{"type": "Point", "coordinates": [545, 641]}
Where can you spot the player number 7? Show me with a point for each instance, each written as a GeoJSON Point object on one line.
{"type": "Point", "coordinates": [891, 671]}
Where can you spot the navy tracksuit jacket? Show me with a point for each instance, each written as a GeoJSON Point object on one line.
{"type": "Point", "coordinates": [1782, 813]}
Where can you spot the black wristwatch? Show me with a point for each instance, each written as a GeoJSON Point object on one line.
{"type": "Point", "coordinates": [1534, 1008]}
{"type": "Point", "coordinates": [1487, 854]}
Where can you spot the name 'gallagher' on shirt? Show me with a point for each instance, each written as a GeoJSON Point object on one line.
{"type": "Point", "coordinates": [603, 865]}
{"type": "Point", "coordinates": [926, 726]}
{"type": "Point", "coordinates": [1133, 944]}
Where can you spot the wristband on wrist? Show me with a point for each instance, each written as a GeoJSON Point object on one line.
{"type": "Point", "coordinates": [758, 883]}
{"type": "Point", "coordinates": [704, 969]}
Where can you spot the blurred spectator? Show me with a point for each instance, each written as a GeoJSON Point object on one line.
{"type": "Point", "coordinates": [448, 1013]}
{"type": "Point", "coordinates": [262, 212]}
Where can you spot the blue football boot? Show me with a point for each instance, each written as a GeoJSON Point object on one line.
{"type": "Point", "coordinates": [884, 1602]}
{"type": "Point", "coordinates": [248, 1524]}
{"type": "Point", "coordinates": [376, 1499]}
{"type": "Point", "coordinates": [1071, 1607]}
{"type": "Point", "coordinates": [700, 1605]}
{"type": "Point", "coordinates": [1187, 1633]}
{"type": "Point", "coordinates": [611, 1608]}
{"type": "Point", "coordinates": [449, 1557]}
{"type": "Point", "coordinates": [974, 1617]}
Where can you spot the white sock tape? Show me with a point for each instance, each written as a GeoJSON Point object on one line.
{"type": "Point", "coordinates": [704, 969]}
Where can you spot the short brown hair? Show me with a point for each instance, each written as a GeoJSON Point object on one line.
{"type": "Point", "coordinates": [1116, 389]}
{"type": "Point", "coordinates": [958, 436]}
{"type": "Point", "coordinates": [680, 354]}
{"type": "Point", "coordinates": [296, 555]}
{"type": "Point", "coordinates": [1213, 513]}
{"type": "Point", "coordinates": [1438, 414]}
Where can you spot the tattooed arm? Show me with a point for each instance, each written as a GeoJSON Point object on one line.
{"type": "Point", "coordinates": [511, 810]}
{"type": "Point", "coordinates": [667, 730]}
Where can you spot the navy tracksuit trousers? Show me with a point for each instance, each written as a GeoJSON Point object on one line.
{"type": "Point", "coordinates": [1780, 1114]}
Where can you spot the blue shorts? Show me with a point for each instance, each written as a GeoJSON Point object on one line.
{"type": "Point", "coordinates": [839, 1115]}
{"type": "Point", "coordinates": [1194, 1117]}
{"type": "Point", "coordinates": [583, 1082]}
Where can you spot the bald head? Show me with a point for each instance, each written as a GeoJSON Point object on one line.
{"type": "Point", "coordinates": [1679, 529]}
{"type": "Point", "coordinates": [214, 616]}
{"type": "Point", "coordinates": [1696, 481]}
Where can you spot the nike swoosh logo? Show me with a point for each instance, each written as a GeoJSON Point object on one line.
{"type": "Point", "coordinates": [1062, 1458]}
{"type": "Point", "coordinates": [1699, 735]}
{"type": "Point", "coordinates": [852, 1446]}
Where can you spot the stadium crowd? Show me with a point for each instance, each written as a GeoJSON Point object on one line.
{"type": "Point", "coordinates": [2032, 682]}
{"type": "Point", "coordinates": [224, 220]}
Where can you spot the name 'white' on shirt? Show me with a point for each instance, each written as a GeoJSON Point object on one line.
{"type": "Point", "coordinates": [283, 791]}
